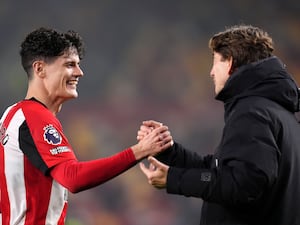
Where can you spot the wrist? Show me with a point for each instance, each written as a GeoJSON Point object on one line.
{"type": "Point", "coordinates": [136, 152]}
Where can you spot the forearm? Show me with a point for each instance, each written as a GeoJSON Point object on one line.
{"type": "Point", "coordinates": [78, 176]}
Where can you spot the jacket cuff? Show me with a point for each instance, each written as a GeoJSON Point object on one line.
{"type": "Point", "coordinates": [173, 180]}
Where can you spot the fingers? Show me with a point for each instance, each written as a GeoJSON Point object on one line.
{"type": "Point", "coordinates": [156, 173]}
{"type": "Point", "coordinates": [166, 145]}
{"type": "Point", "coordinates": [144, 130]}
{"type": "Point", "coordinates": [160, 130]}
{"type": "Point", "coordinates": [163, 135]}
{"type": "Point", "coordinates": [152, 167]}
{"type": "Point", "coordinates": [152, 141]}
{"type": "Point", "coordinates": [144, 169]}
{"type": "Point", "coordinates": [152, 123]}
{"type": "Point", "coordinates": [140, 135]}
{"type": "Point", "coordinates": [148, 172]}
{"type": "Point", "coordinates": [155, 163]}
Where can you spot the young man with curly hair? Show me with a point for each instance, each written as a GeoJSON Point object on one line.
{"type": "Point", "coordinates": [37, 163]}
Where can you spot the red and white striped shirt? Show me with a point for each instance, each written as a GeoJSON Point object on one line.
{"type": "Point", "coordinates": [32, 142]}
{"type": "Point", "coordinates": [37, 164]}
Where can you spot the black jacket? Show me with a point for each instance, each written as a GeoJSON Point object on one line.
{"type": "Point", "coordinates": [254, 175]}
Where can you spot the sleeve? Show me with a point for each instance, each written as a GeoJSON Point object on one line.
{"type": "Point", "coordinates": [247, 165]}
{"type": "Point", "coordinates": [78, 176]}
{"type": "Point", "coordinates": [178, 156]}
{"type": "Point", "coordinates": [41, 139]}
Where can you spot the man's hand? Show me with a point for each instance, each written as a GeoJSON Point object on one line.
{"type": "Point", "coordinates": [146, 128]}
{"type": "Point", "coordinates": [156, 173]}
{"type": "Point", "coordinates": [158, 140]}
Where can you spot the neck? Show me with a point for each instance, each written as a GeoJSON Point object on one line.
{"type": "Point", "coordinates": [52, 105]}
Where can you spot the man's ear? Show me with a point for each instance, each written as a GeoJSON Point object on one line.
{"type": "Point", "coordinates": [39, 68]}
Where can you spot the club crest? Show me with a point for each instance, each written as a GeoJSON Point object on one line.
{"type": "Point", "coordinates": [51, 135]}
{"type": "Point", "coordinates": [3, 136]}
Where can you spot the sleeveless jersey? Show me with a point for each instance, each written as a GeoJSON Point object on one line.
{"type": "Point", "coordinates": [31, 142]}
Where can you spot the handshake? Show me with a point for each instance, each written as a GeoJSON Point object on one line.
{"type": "Point", "coordinates": [153, 138]}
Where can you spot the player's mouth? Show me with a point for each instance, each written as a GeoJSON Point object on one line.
{"type": "Point", "coordinates": [73, 82]}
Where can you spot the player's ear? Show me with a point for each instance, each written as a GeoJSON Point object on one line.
{"type": "Point", "coordinates": [39, 68]}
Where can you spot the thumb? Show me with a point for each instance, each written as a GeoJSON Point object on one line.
{"type": "Point", "coordinates": [155, 162]}
{"type": "Point", "coordinates": [143, 168]}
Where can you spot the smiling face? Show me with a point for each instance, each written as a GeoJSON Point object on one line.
{"type": "Point", "coordinates": [220, 71]}
{"type": "Point", "coordinates": [61, 77]}
{"type": "Point", "coordinates": [55, 80]}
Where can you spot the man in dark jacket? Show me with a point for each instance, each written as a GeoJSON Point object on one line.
{"type": "Point", "coordinates": [254, 175]}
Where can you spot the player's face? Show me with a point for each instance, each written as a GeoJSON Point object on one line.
{"type": "Point", "coordinates": [62, 76]}
{"type": "Point", "coordinates": [220, 71]}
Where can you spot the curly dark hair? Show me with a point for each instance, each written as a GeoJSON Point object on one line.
{"type": "Point", "coordinates": [47, 44]}
{"type": "Point", "coordinates": [244, 43]}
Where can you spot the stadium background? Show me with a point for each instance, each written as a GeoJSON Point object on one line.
{"type": "Point", "coordinates": [144, 60]}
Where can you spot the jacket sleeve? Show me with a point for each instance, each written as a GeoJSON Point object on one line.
{"type": "Point", "coordinates": [178, 156]}
{"type": "Point", "coordinates": [247, 164]}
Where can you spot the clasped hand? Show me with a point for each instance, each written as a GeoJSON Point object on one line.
{"type": "Point", "coordinates": [157, 171]}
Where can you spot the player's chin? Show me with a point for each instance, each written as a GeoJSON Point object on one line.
{"type": "Point", "coordinates": [72, 94]}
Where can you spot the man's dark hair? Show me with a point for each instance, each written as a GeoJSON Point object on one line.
{"type": "Point", "coordinates": [47, 44]}
{"type": "Point", "coordinates": [244, 43]}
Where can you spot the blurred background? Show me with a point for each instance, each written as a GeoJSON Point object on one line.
{"type": "Point", "coordinates": [144, 60]}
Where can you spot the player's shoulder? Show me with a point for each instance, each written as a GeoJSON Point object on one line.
{"type": "Point", "coordinates": [35, 110]}
{"type": "Point", "coordinates": [33, 106]}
